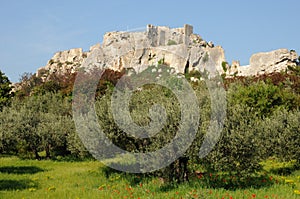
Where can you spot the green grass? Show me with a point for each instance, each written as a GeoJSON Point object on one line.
{"type": "Point", "coordinates": [89, 179]}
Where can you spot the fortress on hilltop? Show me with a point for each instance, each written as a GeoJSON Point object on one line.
{"type": "Point", "coordinates": [179, 48]}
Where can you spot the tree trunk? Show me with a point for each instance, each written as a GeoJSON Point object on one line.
{"type": "Point", "coordinates": [47, 149]}
{"type": "Point", "coordinates": [36, 154]}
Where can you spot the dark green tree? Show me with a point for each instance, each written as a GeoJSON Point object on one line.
{"type": "Point", "coordinates": [5, 90]}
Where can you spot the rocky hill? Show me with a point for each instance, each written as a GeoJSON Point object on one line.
{"type": "Point", "coordinates": [265, 62]}
{"type": "Point", "coordinates": [179, 48]}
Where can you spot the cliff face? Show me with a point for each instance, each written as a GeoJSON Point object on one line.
{"type": "Point", "coordinates": [265, 62]}
{"type": "Point", "coordinates": [179, 48]}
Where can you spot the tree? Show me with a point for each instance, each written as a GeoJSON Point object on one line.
{"type": "Point", "coordinates": [263, 97]}
{"type": "Point", "coordinates": [237, 151]}
{"type": "Point", "coordinates": [38, 123]}
{"type": "Point", "coordinates": [5, 90]}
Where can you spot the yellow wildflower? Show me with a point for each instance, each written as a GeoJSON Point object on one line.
{"type": "Point", "coordinates": [297, 192]}
{"type": "Point", "coordinates": [289, 181]}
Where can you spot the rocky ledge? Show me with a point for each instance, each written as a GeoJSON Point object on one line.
{"type": "Point", "coordinates": [265, 62]}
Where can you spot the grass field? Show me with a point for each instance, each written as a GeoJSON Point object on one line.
{"type": "Point", "coordinates": [88, 179]}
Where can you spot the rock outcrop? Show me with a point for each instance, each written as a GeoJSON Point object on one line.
{"type": "Point", "coordinates": [63, 62]}
{"type": "Point", "coordinates": [265, 62]}
{"type": "Point", "coordinates": [179, 48]}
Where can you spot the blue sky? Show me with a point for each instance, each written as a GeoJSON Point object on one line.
{"type": "Point", "coordinates": [32, 31]}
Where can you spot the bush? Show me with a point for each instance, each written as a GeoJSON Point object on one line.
{"type": "Point", "coordinates": [263, 97]}
{"type": "Point", "coordinates": [280, 135]}
{"type": "Point", "coordinates": [237, 151]}
{"type": "Point", "coordinates": [37, 124]}
{"type": "Point", "coordinates": [224, 66]}
{"type": "Point", "coordinates": [171, 42]}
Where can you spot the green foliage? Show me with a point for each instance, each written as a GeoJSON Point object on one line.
{"type": "Point", "coordinates": [49, 86]}
{"type": "Point", "coordinates": [263, 97]}
{"type": "Point", "coordinates": [237, 151]}
{"type": "Point", "coordinates": [171, 42]}
{"type": "Point", "coordinates": [262, 121]}
{"type": "Point", "coordinates": [36, 124]}
{"type": "Point", "coordinates": [193, 73]}
{"type": "Point", "coordinates": [161, 61]}
{"type": "Point", "coordinates": [224, 66]}
{"type": "Point", "coordinates": [140, 104]}
{"type": "Point", "coordinates": [294, 69]}
{"type": "Point", "coordinates": [28, 82]}
{"type": "Point", "coordinates": [280, 135]}
{"type": "Point", "coordinates": [223, 76]}
{"type": "Point", "coordinates": [5, 90]}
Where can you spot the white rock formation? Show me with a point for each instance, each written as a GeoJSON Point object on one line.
{"type": "Point", "coordinates": [63, 62]}
{"type": "Point", "coordinates": [178, 47]}
{"type": "Point", "coordinates": [266, 62]}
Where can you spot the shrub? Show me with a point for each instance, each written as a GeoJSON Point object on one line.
{"type": "Point", "coordinates": [263, 97]}
{"type": "Point", "coordinates": [224, 66]}
{"type": "Point", "coordinates": [280, 135]}
{"type": "Point", "coordinates": [171, 42]}
{"type": "Point", "coordinates": [237, 151]}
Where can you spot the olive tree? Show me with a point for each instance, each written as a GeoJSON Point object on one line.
{"type": "Point", "coordinates": [36, 124]}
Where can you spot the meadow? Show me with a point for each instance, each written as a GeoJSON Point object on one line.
{"type": "Point", "coordinates": [28, 179]}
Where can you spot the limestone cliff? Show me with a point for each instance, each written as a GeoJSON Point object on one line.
{"type": "Point", "coordinates": [179, 48]}
{"type": "Point", "coordinates": [265, 62]}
